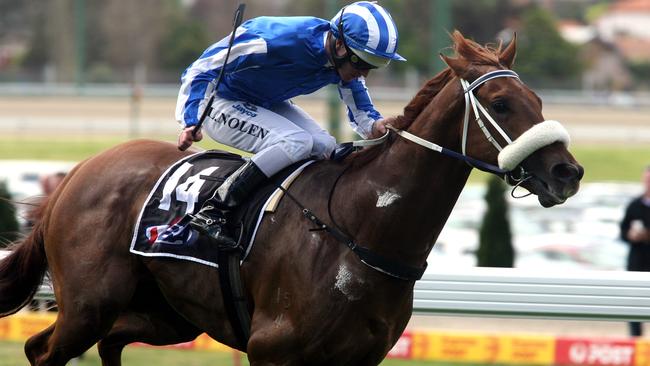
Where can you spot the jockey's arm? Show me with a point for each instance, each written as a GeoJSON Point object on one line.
{"type": "Point", "coordinates": [364, 118]}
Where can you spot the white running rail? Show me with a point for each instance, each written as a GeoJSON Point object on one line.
{"type": "Point", "coordinates": [507, 292]}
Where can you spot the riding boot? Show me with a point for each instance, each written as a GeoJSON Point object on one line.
{"type": "Point", "coordinates": [214, 218]}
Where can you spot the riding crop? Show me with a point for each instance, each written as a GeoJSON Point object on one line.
{"type": "Point", "coordinates": [239, 13]}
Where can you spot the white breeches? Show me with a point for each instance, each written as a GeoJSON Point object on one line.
{"type": "Point", "coordinates": [278, 136]}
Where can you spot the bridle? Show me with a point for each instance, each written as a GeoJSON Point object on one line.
{"type": "Point", "coordinates": [477, 107]}
{"type": "Point", "coordinates": [514, 178]}
{"type": "Point", "coordinates": [510, 155]}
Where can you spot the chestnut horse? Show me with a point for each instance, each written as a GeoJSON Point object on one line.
{"type": "Point", "coordinates": [311, 299]}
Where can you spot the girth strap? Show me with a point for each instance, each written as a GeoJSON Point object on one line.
{"type": "Point", "coordinates": [373, 260]}
{"type": "Point", "coordinates": [232, 292]}
{"type": "Point", "coordinates": [377, 262]}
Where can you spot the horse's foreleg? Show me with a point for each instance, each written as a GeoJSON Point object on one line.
{"type": "Point", "coordinates": [155, 329]}
{"type": "Point", "coordinates": [272, 342]}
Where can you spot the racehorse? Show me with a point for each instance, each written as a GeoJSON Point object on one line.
{"type": "Point", "coordinates": [311, 299]}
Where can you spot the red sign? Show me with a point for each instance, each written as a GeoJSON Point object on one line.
{"type": "Point", "coordinates": [580, 351]}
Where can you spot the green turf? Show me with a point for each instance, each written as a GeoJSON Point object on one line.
{"type": "Point", "coordinates": [69, 149]}
{"type": "Point", "coordinates": [601, 163]}
{"type": "Point", "coordinates": [11, 354]}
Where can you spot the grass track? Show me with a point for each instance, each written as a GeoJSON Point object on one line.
{"type": "Point", "coordinates": [11, 354]}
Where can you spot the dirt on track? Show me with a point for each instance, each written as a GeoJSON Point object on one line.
{"type": "Point", "coordinates": [48, 115]}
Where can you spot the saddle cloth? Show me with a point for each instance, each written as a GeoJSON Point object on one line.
{"type": "Point", "coordinates": [163, 230]}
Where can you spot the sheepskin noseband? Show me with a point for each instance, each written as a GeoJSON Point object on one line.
{"type": "Point", "coordinates": [538, 136]}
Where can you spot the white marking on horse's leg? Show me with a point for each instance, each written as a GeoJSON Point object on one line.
{"type": "Point", "coordinates": [386, 198]}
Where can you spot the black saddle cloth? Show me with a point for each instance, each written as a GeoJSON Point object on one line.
{"type": "Point", "coordinates": [163, 227]}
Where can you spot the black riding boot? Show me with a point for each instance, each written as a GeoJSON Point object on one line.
{"type": "Point", "coordinates": [212, 219]}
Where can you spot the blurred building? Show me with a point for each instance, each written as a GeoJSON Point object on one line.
{"type": "Point", "coordinates": [625, 18]}
{"type": "Point", "coordinates": [613, 44]}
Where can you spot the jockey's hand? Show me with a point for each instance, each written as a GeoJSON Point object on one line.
{"type": "Point", "coordinates": [378, 129]}
{"type": "Point", "coordinates": [186, 138]}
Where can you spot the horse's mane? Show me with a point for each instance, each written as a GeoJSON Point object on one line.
{"type": "Point", "coordinates": [465, 49]}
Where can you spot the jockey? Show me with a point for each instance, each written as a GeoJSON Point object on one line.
{"type": "Point", "coordinates": [272, 60]}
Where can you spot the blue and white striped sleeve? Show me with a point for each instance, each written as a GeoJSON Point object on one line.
{"type": "Point", "coordinates": [361, 111]}
{"type": "Point", "coordinates": [197, 81]}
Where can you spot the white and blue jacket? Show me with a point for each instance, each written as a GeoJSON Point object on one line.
{"type": "Point", "coordinates": [272, 60]}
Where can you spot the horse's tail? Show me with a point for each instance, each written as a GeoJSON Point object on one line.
{"type": "Point", "coordinates": [22, 271]}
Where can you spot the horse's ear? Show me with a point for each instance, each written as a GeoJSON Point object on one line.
{"type": "Point", "coordinates": [507, 56]}
{"type": "Point", "coordinates": [456, 64]}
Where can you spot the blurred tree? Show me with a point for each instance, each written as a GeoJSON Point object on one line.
{"type": "Point", "coordinates": [216, 16]}
{"type": "Point", "coordinates": [12, 17]}
{"type": "Point", "coordinates": [133, 40]}
{"type": "Point", "coordinates": [595, 11]}
{"type": "Point", "coordinates": [52, 38]}
{"type": "Point", "coordinates": [59, 36]}
{"type": "Point", "coordinates": [544, 58]}
{"type": "Point", "coordinates": [38, 48]}
{"type": "Point", "coordinates": [122, 35]}
{"type": "Point", "coordinates": [482, 20]}
{"type": "Point", "coordinates": [194, 28]}
{"type": "Point", "coordinates": [495, 239]}
{"type": "Point", "coordinates": [184, 41]}
{"type": "Point", "coordinates": [640, 73]}
{"type": "Point", "coordinates": [8, 221]}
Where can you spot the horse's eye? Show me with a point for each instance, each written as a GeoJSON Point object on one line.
{"type": "Point", "coordinates": [499, 106]}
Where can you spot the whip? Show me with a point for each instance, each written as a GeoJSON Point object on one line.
{"type": "Point", "coordinates": [239, 13]}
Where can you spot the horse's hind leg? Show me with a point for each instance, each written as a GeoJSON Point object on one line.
{"type": "Point", "coordinates": [68, 338]}
{"type": "Point", "coordinates": [88, 307]}
{"type": "Point", "coordinates": [36, 344]}
{"type": "Point", "coordinates": [156, 329]}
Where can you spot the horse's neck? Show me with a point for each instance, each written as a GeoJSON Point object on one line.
{"type": "Point", "coordinates": [406, 194]}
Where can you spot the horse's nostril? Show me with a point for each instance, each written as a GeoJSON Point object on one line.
{"type": "Point", "coordinates": [567, 172]}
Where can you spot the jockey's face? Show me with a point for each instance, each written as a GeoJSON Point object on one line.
{"type": "Point", "coordinates": [347, 72]}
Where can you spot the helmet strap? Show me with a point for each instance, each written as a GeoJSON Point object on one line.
{"type": "Point", "coordinates": [336, 59]}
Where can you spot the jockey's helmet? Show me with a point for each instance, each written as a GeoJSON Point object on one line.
{"type": "Point", "coordinates": [369, 32]}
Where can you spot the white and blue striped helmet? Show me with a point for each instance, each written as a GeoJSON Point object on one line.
{"type": "Point", "coordinates": [367, 27]}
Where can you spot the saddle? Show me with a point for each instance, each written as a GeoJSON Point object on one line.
{"type": "Point", "coordinates": [163, 228]}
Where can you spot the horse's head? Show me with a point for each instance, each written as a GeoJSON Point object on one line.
{"type": "Point", "coordinates": [503, 123]}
